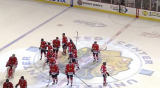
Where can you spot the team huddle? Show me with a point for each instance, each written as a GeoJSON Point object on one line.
{"type": "Point", "coordinates": [50, 51]}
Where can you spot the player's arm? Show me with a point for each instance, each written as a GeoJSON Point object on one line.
{"type": "Point", "coordinates": [16, 62]}
{"type": "Point", "coordinates": [4, 86]}
{"type": "Point", "coordinates": [57, 70]}
{"type": "Point", "coordinates": [25, 84]}
{"type": "Point", "coordinates": [11, 85]}
{"type": "Point", "coordinates": [73, 69]}
{"type": "Point", "coordinates": [66, 70]}
{"type": "Point", "coordinates": [17, 84]}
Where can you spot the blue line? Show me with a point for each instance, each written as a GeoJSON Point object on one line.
{"type": "Point", "coordinates": [4, 47]}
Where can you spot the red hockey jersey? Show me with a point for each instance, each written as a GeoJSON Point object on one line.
{"type": "Point", "coordinates": [43, 45]}
{"type": "Point", "coordinates": [49, 47]}
{"type": "Point", "coordinates": [95, 47]}
{"type": "Point", "coordinates": [103, 70]}
{"type": "Point", "coordinates": [12, 61]}
{"type": "Point", "coordinates": [70, 69]}
{"type": "Point", "coordinates": [54, 69]}
{"type": "Point", "coordinates": [22, 83]}
{"type": "Point", "coordinates": [64, 40]}
{"type": "Point", "coordinates": [74, 53]}
{"type": "Point", "coordinates": [56, 43]}
{"type": "Point", "coordinates": [70, 47]}
{"type": "Point", "coordinates": [7, 85]}
{"type": "Point", "coordinates": [51, 60]}
{"type": "Point", "coordinates": [50, 54]}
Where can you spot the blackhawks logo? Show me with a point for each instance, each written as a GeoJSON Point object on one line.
{"type": "Point", "coordinates": [116, 63]}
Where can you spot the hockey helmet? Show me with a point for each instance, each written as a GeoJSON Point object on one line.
{"type": "Point", "coordinates": [7, 80]}
{"type": "Point", "coordinates": [95, 42]}
{"type": "Point", "coordinates": [22, 77]}
{"type": "Point", "coordinates": [104, 63]}
{"type": "Point", "coordinates": [63, 34]}
{"type": "Point", "coordinates": [53, 63]}
{"type": "Point", "coordinates": [42, 39]}
{"type": "Point", "coordinates": [57, 38]}
{"type": "Point", "coordinates": [49, 43]}
{"type": "Point", "coordinates": [71, 40]}
{"type": "Point", "coordinates": [13, 55]}
{"type": "Point", "coordinates": [70, 62]}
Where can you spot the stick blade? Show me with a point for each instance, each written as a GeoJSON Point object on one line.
{"type": "Point", "coordinates": [47, 85]}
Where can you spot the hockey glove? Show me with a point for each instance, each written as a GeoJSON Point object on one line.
{"type": "Point", "coordinates": [108, 74]}
{"type": "Point", "coordinates": [91, 50]}
{"type": "Point", "coordinates": [16, 86]}
{"type": "Point", "coordinates": [58, 73]}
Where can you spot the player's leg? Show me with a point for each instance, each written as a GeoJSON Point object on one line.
{"type": "Point", "coordinates": [57, 52]}
{"type": "Point", "coordinates": [41, 54]}
{"type": "Point", "coordinates": [70, 56]}
{"type": "Point", "coordinates": [53, 49]}
{"type": "Point", "coordinates": [7, 74]}
{"type": "Point", "coordinates": [71, 78]}
{"type": "Point", "coordinates": [104, 79]}
{"type": "Point", "coordinates": [53, 77]}
{"type": "Point", "coordinates": [64, 49]}
{"type": "Point", "coordinates": [56, 79]}
{"type": "Point", "coordinates": [13, 71]}
{"type": "Point", "coordinates": [97, 56]}
{"type": "Point", "coordinates": [67, 79]}
{"type": "Point", "coordinates": [77, 65]}
{"type": "Point", "coordinates": [10, 72]}
{"type": "Point", "coordinates": [45, 53]}
{"type": "Point", "coordinates": [94, 57]}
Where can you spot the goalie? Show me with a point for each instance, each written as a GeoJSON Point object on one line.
{"type": "Point", "coordinates": [11, 66]}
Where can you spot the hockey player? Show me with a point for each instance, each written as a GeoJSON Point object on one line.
{"type": "Point", "coordinates": [50, 56]}
{"type": "Point", "coordinates": [54, 72]}
{"type": "Point", "coordinates": [22, 82]}
{"type": "Point", "coordinates": [64, 43]}
{"type": "Point", "coordinates": [42, 47]}
{"type": "Point", "coordinates": [74, 59]}
{"type": "Point", "coordinates": [11, 66]}
{"type": "Point", "coordinates": [7, 84]}
{"type": "Point", "coordinates": [52, 60]}
{"type": "Point", "coordinates": [104, 73]}
{"type": "Point", "coordinates": [69, 70]}
{"type": "Point", "coordinates": [95, 50]}
{"type": "Point", "coordinates": [56, 45]}
{"type": "Point", "coordinates": [70, 49]}
{"type": "Point", "coordinates": [50, 53]}
{"type": "Point", "coordinates": [49, 46]}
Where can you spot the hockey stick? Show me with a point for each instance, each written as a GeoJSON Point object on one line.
{"type": "Point", "coordinates": [76, 38]}
{"type": "Point", "coordinates": [83, 81]}
{"type": "Point", "coordinates": [48, 81]}
{"type": "Point", "coordinates": [114, 78]}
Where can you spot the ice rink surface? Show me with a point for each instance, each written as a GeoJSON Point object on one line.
{"type": "Point", "coordinates": [133, 45]}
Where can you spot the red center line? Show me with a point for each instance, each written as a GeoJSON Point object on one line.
{"type": "Point", "coordinates": [105, 44]}
{"type": "Point", "coordinates": [117, 34]}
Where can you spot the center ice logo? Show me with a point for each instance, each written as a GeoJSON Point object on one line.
{"type": "Point", "coordinates": [116, 63]}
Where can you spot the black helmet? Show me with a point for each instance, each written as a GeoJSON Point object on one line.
{"type": "Point", "coordinates": [49, 43]}
{"type": "Point", "coordinates": [22, 77]}
{"type": "Point", "coordinates": [71, 40]}
{"type": "Point", "coordinates": [7, 80]}
{"type": "Point", "coordinates": [95, 41]}
{"type": "Point", "coordinates": [42, 39]}
{"type": "Point", "coordinates": [63, 34]}
{"type": "Point", "coordinates": [57, 38]}
{"type": "Point", "coordinates": [104, 63]}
